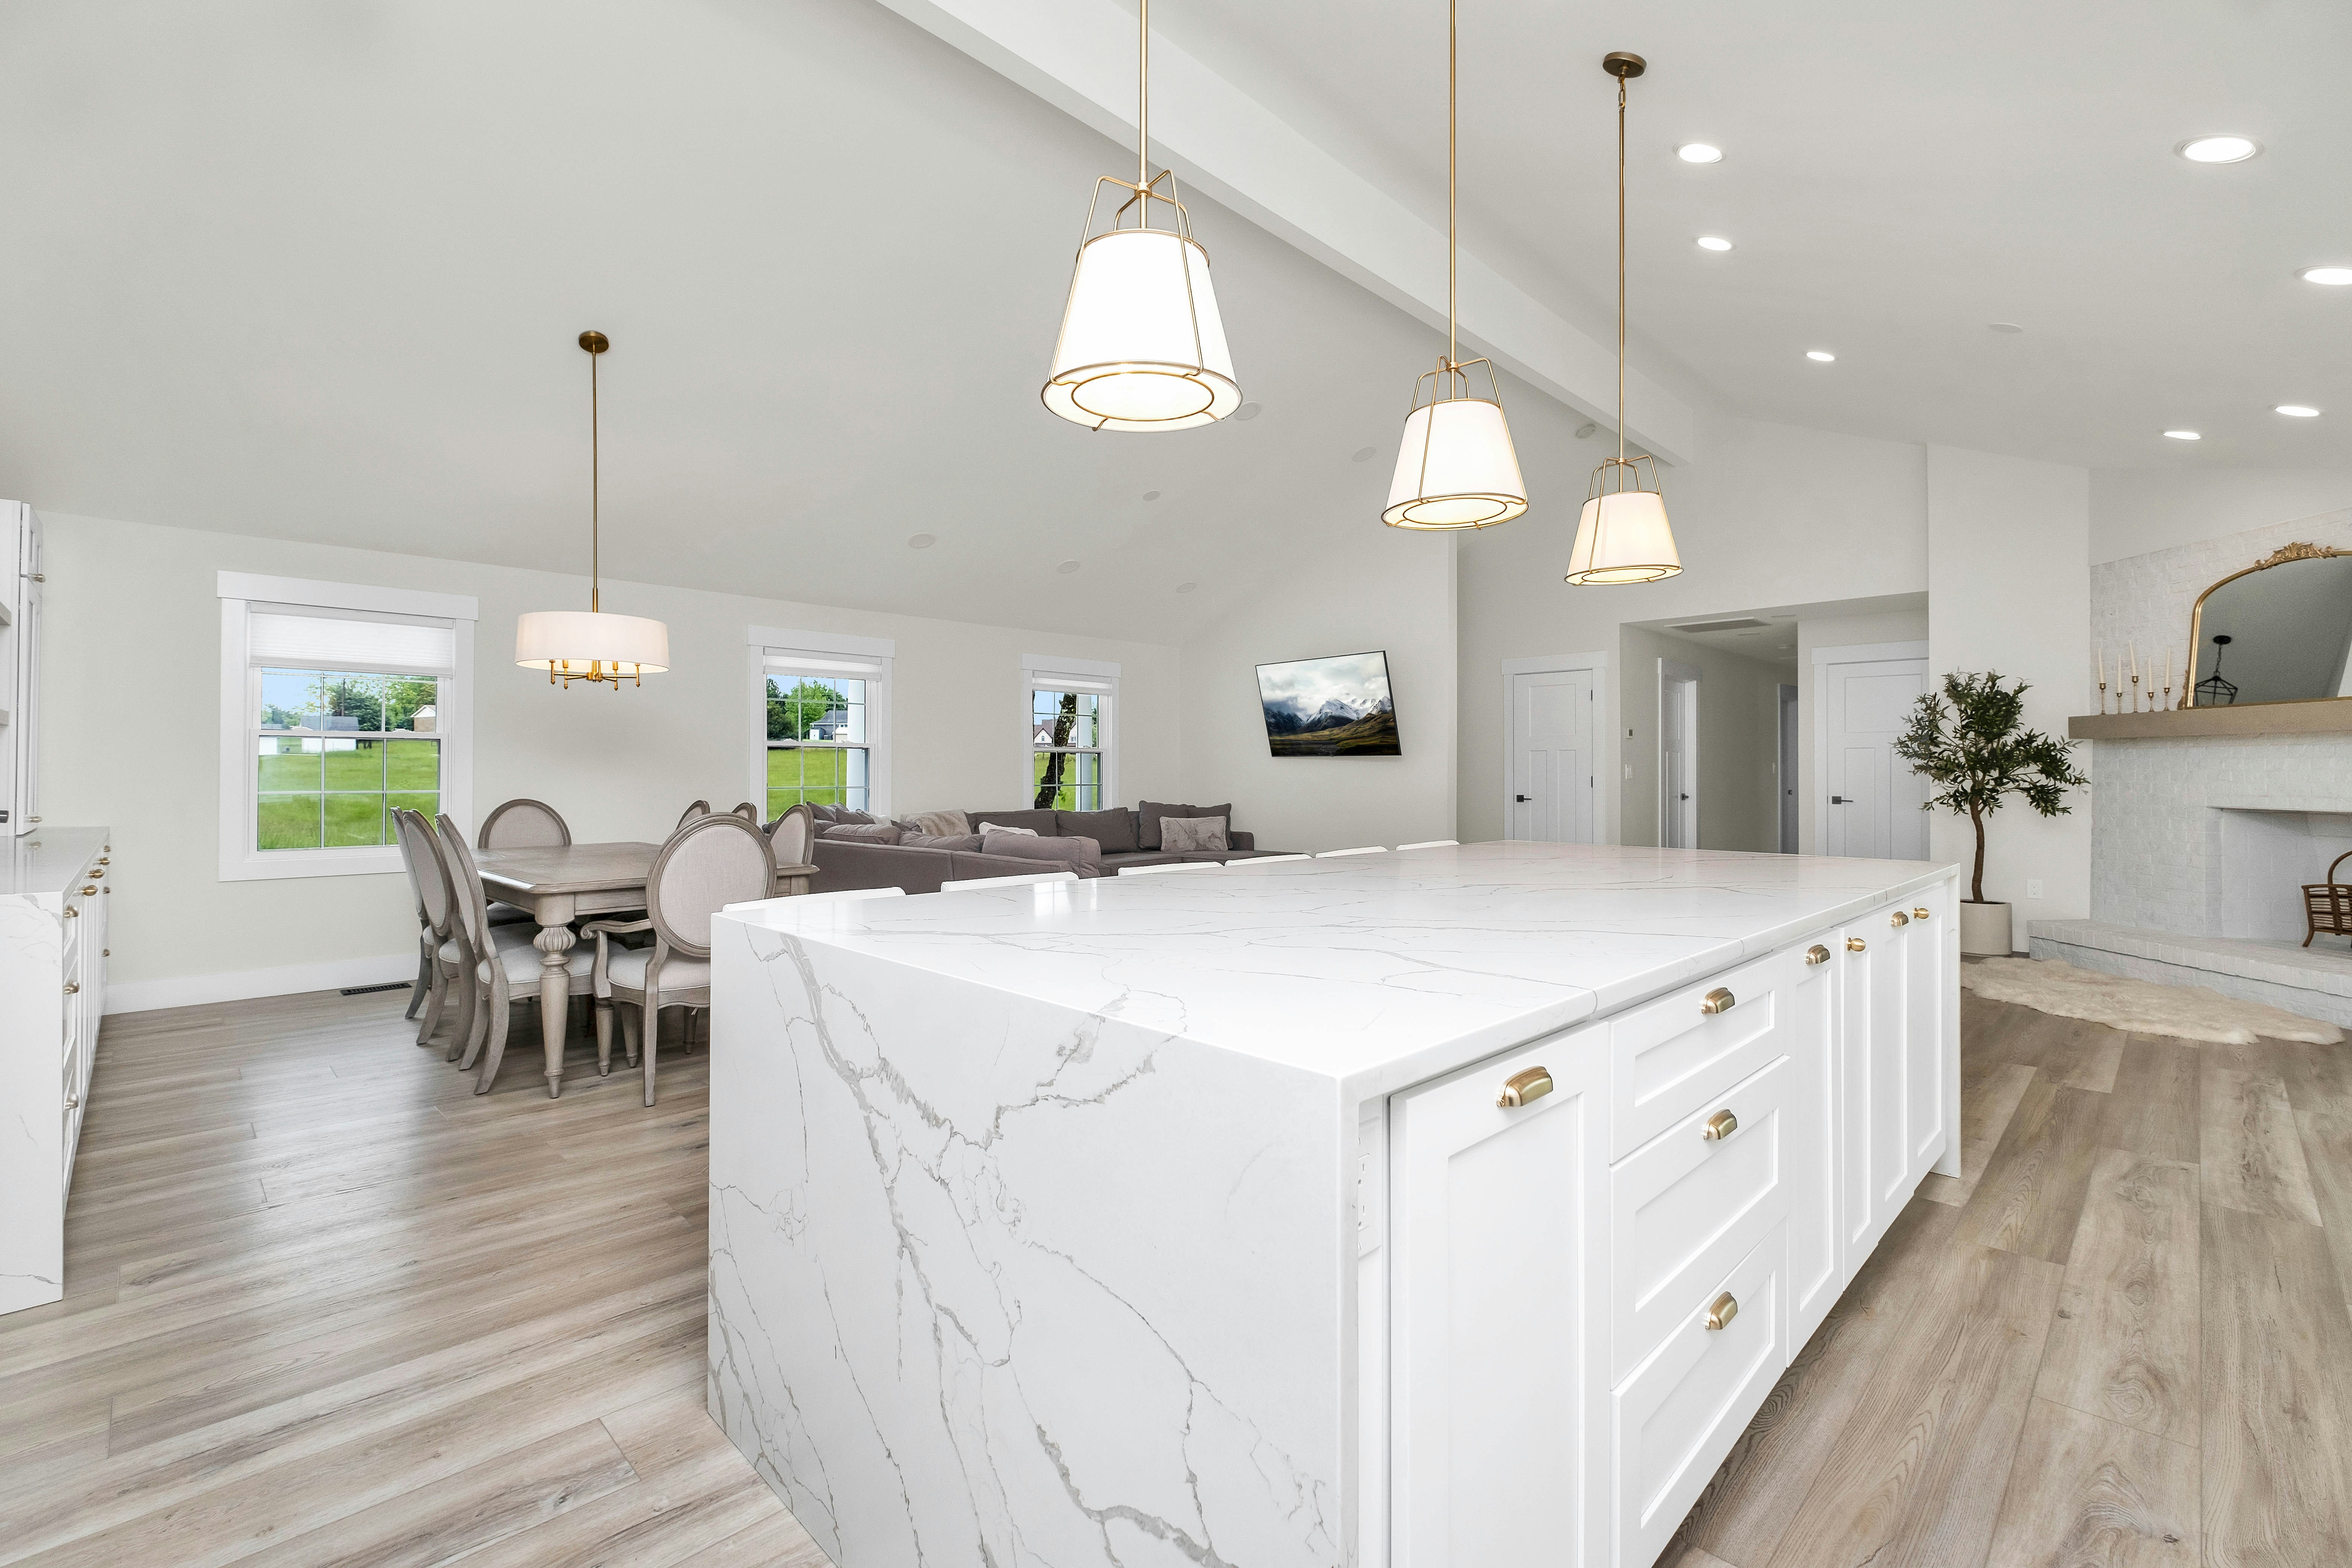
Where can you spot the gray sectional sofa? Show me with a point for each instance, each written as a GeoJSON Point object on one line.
{"type": "Point", "coordinates": [1126, 837]}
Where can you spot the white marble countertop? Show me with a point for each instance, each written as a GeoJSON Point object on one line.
{"type": "Point", "coordinates": [44, 860]}
{"type": "Point", "coordinates": [1371, 969]}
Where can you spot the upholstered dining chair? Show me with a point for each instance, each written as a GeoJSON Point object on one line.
{"type": "Point", "coordinates": [792, 837]}
{"type": "Point", "coordinates": [709, 863]}
{"type": "Point", "coordinates": [699, 808]}
{"type": "Point", "coordinates": [522, 824]}
{"type": "Point", "coordinates": [504, 963]}
{"type": "Point", "coordinates": [748, 812]}
{"type": "Point", "coordinates": [436, 907]}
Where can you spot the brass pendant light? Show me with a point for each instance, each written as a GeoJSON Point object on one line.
{"type": "Point", "coordinates": [1622, 535]}
{"type": "Point", "coordinates": [1456, 467]}
{"type": "Point", "coordinates": [1142, 346]}
{"type": "Point", "coordinates": [589, 645]}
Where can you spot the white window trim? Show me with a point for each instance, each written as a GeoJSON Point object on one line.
{"type": "Point", "coordinates": [1042, 669]}
{"type": "Point", "coordinates": [762, 640]}
{"type": "Point", "coordinates": [240, 861]}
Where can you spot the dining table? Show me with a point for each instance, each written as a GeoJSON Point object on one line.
{"type": "Point", "coordinates": [560, 883]}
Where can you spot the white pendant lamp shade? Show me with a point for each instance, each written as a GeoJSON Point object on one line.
{"type": "Point", "coordinates": [1142, 346]}
{"type": "Point", "coordinates": [589, 645]}
{"type": "Point", "coordinates": [1456, 467]}
{"type": "Point", "coordinates": [1621, 537]}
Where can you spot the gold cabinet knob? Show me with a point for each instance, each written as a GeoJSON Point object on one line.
{"type": "Point", "coordinates": [90, 889]}
{"type": "Point", "coordinates": [1722, 1310]}
{"type": "Point", "coordinates": [106, 952]}
{"type": "Point", "coordinates": [1719, 1001]}
{"type": "Point", "coordinates": [73, 1102]}
{"type": "Point", "coordinates": [1898, 919]}
{"type": "Point", "coordinates": [72, 913]}
{"type": "Point", "coordinates": [72, 987]}
{"type": "Point", "coordinates": [1855, 945]}
{"type": "Point", "coordinates": [1719, 1126]}
{"type": "Point", "coordinates": [1518, 1088]}
{"type": "Point", "coordinates": [1921, 913]}
{"type": "Point", "coordinates": [104, 860]}
{"type": "Point", "coordinates": [1817, 954]}
{"type": "Point", "coordinates": [95, 874]}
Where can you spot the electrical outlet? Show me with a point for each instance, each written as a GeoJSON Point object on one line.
{"type": "Point", "coordinates": [2033, 888]}
{"type": "Point", "coordinates": [1629, 769]}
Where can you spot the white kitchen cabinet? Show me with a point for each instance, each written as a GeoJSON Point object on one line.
{"type": "Point", "coordinates": [1868, 962]}
{"type": "Point", "coordinates": [53, 900]}
{"type": "Point", "coordinates": [1927, 1104]}
{"type": "Point", "coordinates": [21, 580]}
{"type": "Point", "coordinates": [1817, 1273]}
{"type": "Point", "coordinates": [1495, 1264]}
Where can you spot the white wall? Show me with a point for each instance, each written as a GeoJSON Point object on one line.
{"type": "Point", "coordinates": [2135, 511]}
{"type": "Point", "coordinates": [2009, 590]}
{"type": "Point", "coordinates": [1833, 631]}
{"type": "Point", "coordinates": [1738, 728]}
{"type": "Point", "coordinates": [1389, 589]}
{"type": "Point", "coordinates": [1776, 514]}
{"type": "Point", "coordinates": [132, 722]}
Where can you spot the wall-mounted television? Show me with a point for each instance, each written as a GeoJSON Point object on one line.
{"type": "Point", "coordinates": [1336, 707]}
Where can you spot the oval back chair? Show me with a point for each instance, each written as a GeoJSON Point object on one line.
{"type": "Point", "coordinates": [524, 825]}
{"type": "Point", "coordinates": [699, 808]}
{"type": "Point", "coordinates": [428, 944]}
{"type": "Point", "coordinates": [793, 837]}
{"type": "Point", "coordinates": [504, 963]}
{"type": "Point", "coordinates": [436, 907]}
{"type": "Point", "coordinates": [709, 863]}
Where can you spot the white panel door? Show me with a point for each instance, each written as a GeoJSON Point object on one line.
{"type": "Point", "coordinates": [1677, 755]}
{"type": "Point", "coordinates": [1497, 1267]}
{"type": "Point", "coordinates": [1552, 758]}
{"type": "Point", "coordinates": [1874, 798]}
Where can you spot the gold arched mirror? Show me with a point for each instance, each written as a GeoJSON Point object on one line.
{"type": "Point", "coordinates": [2279, 631]}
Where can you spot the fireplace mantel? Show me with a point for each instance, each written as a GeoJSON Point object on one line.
{"type": "Point", "coordinates": [2321, 716]}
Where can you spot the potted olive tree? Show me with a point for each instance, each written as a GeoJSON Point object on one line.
{"type": "Point", "coordinates": [1971, 742]}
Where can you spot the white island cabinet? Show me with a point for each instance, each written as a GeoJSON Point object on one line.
{"type": "Point", "coordinates": [1431, 1209]}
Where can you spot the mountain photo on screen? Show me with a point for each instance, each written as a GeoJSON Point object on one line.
{"type": "Point", "coordinates": [1337, 707]}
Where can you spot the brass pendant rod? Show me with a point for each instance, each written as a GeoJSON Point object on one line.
{"type": "Point", "coordinates": [1621, 270]}
{"type": "Point", "coordinates": [1453, 243]}
{"type": "Point", "coordinates": [1143, 107]}
{"type": "Point", "coordinates": [595, 492]}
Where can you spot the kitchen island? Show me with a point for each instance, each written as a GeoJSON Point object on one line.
{"type": "Point", "coordinates": [1448, 1207]}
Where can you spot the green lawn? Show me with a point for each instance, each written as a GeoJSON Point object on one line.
{"type": "Point", "coordinates": [1081, 783]}
{"type": "Point", "coordinates": [814, 773]}
{"type": "Point", "coordinates": [315, 798]}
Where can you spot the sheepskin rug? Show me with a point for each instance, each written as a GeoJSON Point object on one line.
{"type": "Point", "coordinates": [2141, 1006]}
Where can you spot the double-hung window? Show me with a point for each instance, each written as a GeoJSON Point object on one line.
{"type": "Point", "coordinates": [822, 709]}
{"type": "Point", "coordinates": [1072, 762]}
{"type": "Point", "coordinates": [340, 704]}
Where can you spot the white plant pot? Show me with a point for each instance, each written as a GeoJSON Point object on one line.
{"type": "Point", "coordinates": [1984, 929]}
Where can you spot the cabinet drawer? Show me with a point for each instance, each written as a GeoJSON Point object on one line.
{"type": "Point", "coordinates": [1684, 1207]}
{"type": "Point", "coordinates": [1668, 1058]}
{"type": "Point", "coordinates": [1674, 1418]}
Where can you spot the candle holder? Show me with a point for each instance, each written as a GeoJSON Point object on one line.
{"type": "Point", "coordinates": [2103, 694]}
{"type": "Point", "coordinates": [2134, 707]}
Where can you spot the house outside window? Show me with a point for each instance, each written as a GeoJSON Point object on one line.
{"type": "Point", "coordinates": [1070, 721]}
{"type": "Point", "coordinates": [340, 703]}
{"type": "Point", "coordinates": [822, 720]}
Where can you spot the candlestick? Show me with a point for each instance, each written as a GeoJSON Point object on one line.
{"type": "Point", "coordinates": [2135, 691]}
{"type": "Point", "coordinates": [2103, 690]}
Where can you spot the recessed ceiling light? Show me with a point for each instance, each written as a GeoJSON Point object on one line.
{"type": "Point", "coordinates": [1821, 355]}
{"type": "Point", "coordinates": [2183, 436]}
{"type": "Point", "coordinates": [1151, 495]}
{"type": "Point", "coordinates": [1066, 567]}
{"type": "Point", "coordinates": [2296, 411]}
{"type": "Point", "coordinates": [1362, 454]}
{"type": "Point", "coordinates": [2218, 149]}
{"type": "Point", "coordinates": [1698, 152]}
{"type": "Point", "coordinates": [2004, 326]}
{"type": "Point", "coordinates": [2334, 274]}
{"type": "Point", "coordinates": [1713, 242]}
{"type": "Point", "coordinates": [922, 542]}
{"type": "Point", "coordinates": [1248, 411]}
{"type": "Point", "coordinates": [1186, 587]}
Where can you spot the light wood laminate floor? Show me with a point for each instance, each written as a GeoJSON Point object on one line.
{"type": "Point", "coordinates": [324, 1306]}
{"type": "Point", "coordinates": [2120, 1336]}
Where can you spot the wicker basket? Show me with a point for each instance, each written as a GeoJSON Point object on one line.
{"type": "Point", "coordinates": [2327, 906]}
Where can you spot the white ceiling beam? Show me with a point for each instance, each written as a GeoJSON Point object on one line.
{"type": "Point", "coordinates": [1080, 56]}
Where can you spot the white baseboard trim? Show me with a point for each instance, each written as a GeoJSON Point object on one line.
{"type": "Point", "coordinates": [189, 989]}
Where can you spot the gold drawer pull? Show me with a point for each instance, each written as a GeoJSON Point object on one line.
{"type": "Point", "coordinates": [1855, 945]}
{"type": "Point", "coordinates": [73, 1102]}
{"type": "Point", "coordinates": [95, 874]}
{"type": "Point", "coordinates": [1722, 1310]}
{"type": "Point", "coordinates": [1719, 1126]}
{"type": "Point", "coordinates": [72, 987]}
{"type": "Point", "coordinates": [1719, 1001]}
{"type": "Point", "coordinates": [1518, 1088]}
{"type": "Point", "coordinates": [1921, 913]}
{"type": "Point", "coordinates": [1817, 954]}
{"type": "Point", "coordinates": [1898, 919]}
{"type": "Point", "coordinates": [72, 913]}
{"type": "Point", "coordinates": [90, 891]}
{"type": "Point", "coordinates": [104, 861]}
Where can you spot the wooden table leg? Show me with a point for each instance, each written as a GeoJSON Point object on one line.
{"type": "Point", "coordinates": [554, 943]}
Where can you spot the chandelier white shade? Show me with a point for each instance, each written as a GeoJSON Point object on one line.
{"type": "Point", "coordinates": [589, 645]}
{"type": "Point", "coordinates": [1621, 537]}
{"type": "Point", "coordinates": [1142, 346]}
{"type": "Point", "coordinates": [1456, 467]}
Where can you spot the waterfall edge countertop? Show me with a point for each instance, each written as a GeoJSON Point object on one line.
{"type": "Point", "coordinates": [1376, 970]}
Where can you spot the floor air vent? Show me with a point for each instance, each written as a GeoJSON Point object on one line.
{"type": "Point", "coordinates": [372, 990]}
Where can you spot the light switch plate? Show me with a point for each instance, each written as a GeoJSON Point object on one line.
{"type": "Point", "coordinates": [2033, 888]}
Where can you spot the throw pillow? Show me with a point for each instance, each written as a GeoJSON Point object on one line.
{"type": "Point", "coordinates": [1152, 811]}
{"type": "Point", "coordinates": [1114, 829]}
{"type": "Point", "coordinates": [944, 823]}
{"type": "Point", "coordinates": [1083, 856]}
{"type": "Point", "coordinates": [1182, 835]}
{"type": "Point", "coordinates": [862, 832]}
{"type": "Point", "coordinates": [969, 843]}
{"type": "Point", "coordinates": [986, 827]}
